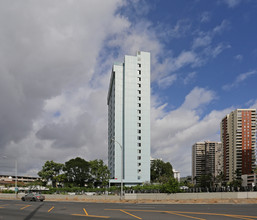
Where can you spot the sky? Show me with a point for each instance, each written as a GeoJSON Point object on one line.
{"type": "Point", "coordinates": [56, 58]}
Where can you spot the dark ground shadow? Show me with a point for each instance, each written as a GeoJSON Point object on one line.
{"type": "Point", "coordinates": [34, 212]}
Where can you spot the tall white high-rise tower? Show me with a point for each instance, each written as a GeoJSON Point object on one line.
{"type": "Point", "coordinates": [129, 120]}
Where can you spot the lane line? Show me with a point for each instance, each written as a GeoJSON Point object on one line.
{"type": "Point", "coordinates": [25, 207]}
{"type": "Point", "coordinates": [245, 217]}
{"type": "Point", "coordinates": [130, 214]}
{"type": "Point", "coordinates": [136, 210]}
{"type": "Point", "coordinates": [239, 217]}
{"type": "Point", "coordinates": [220, 214]}
{"type": "Point", "coordinates": [50, 209]}
{"type": "Point", "coordinates": [187, 216]}
{"type": "Point", "coordinates": [93, 216]}
{"type": "Point", "coordinates": [85, 212]}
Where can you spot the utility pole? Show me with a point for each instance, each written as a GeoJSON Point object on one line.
{"type": "Point", "coordinates": [121, 177]}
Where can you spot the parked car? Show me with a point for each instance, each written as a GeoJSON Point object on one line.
{"type": "Point", "coordinates": [33, 197]}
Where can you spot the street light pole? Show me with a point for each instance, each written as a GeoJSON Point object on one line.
{"type": "Point", "coordinates": [16, 178]}
{"type": "Point", "coordinates": [16, 188]}
{"type": "Point", "coordinates": [121, 177]}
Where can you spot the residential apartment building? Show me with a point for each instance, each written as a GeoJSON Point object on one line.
{"type": "Point", "coordinates": [129, 120]}
{"type": "Point", "coordinates": [238, 137]}
{"type": "Point", "coordinates": [207, 158]}
{"type": "Point", "coordinates": [176, 174]}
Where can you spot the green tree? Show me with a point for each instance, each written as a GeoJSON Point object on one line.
{"type": "Point", "coordinates": [77, 171]}
{"type": "Point", "coordinates": [160, 171]}
{"type": "Point", "coordinates": [186, 182]}
{"type": "Point", "coordinates": [220, 179]}
{"type": "Point", "coordinates": [172, 186]}
{"type": "Point", "coordinates": [237, 181]}
{"type": "Point", "coordinates": [62, 178]}
{"type": "Point", "coordinates": [50, 172]}
{"type": "Point", "coordinates": [206, 181]}
{"type": "Point", "coordinates": [99, 172]}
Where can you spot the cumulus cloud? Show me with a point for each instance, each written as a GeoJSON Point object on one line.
{"type": "Point", "coordinates": [205, 17]}
{"type": "Point", "coordinates": [167, 81]}
{"type": "Point", "coordinates": [239, 57]}
{"type": "Point", "coordinates": [189, 78]}
{"type": "Point", "coordinates": [205, 38]}
{"type": "Point", "coordinates": [232, 3]}
{"type": "Point", "coordinates": [254, 104]}
{"type": "Point", "coordinates": [56, 59]}
{"type": "Point", "coordinates": [48, 52]}
{"type": "Point", "coordinates": [174, 132]}
{"type": "Point", "coordinates": [202, 41]}
{"type": "Point", "coordinates": [180, 29]}
{"type": "Point", "coordinates": [216, 50]}
{"type": "Point", "coordinates": [239, 79]}
{"type": "Point", "coordinates": [197, 97]}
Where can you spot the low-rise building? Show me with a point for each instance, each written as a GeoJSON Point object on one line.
{"type": "Point", "coordinates": [9, 179]}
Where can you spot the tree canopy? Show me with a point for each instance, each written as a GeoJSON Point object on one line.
{"type": "Point", "coordinates": [100, 174]}
{"type": "Point", "coordinates": [161, 172]}
{"type": "Point", "coordinates": [50, 172]}
{"type": "Point", "coordinates": [76, 172]}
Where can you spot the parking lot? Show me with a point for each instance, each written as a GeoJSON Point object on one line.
{"type": "Point", "coordinates": [17, 210]}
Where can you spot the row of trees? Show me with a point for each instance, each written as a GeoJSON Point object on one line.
{"type": "Point", "coordinates": [80, 173]}
{"type": "Point", "coordinates": [75, 173]}
{"type": "Point", "coordinates": [211, 181]}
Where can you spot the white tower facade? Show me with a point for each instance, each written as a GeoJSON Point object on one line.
{"type": "Point", "coordinates": [129, 120]}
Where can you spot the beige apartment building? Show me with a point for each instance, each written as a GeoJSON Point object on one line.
{"type": "Point", "coordinates": [238, 137]}
{"type": "Point", "coordinates": [207, 158]}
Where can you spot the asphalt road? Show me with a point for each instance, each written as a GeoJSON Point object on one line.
{"type": "Point", "coordinates": [18, 210]}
